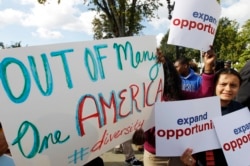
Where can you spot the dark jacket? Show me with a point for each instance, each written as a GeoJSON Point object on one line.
{"type": "Point", "coordinates": [244, 93]}
{"type": "Point", "coordinates": [96, 162]}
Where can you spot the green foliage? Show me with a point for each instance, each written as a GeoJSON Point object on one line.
{"type": "Point", "coordinates": [44, 1]}
{"type": "Point", "coordinates": [231, 42]}
{"type": "Point", "coordinates": [243, 43]}
{"type": "Point", "coordinates": [243, 58]}
{"type": "Point", "coordinates": [173, 52]}
{"type": "Point", "coordinates": [168, 50]}
{"type": "Point", "coordinates": [118, 18]}
{"type": "Point", "coordinates": [225, 39]}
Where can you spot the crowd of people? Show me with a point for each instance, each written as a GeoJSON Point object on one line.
{"type": "Point", "coordinates": [182, 82]}
{"type": "Point", "coordinates": [218, 79]}
{"type": "Point", "coordinates": [227, 84]}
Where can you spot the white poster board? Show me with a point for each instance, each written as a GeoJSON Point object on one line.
{"type": "Point", "coordinates": [181, 124]}
{"type": "Point", "coordinates": [233, 131]}
{"type": "Point", "coordinates": [194, 23]}
{"type": "Point", "coordinates": [65, 104]}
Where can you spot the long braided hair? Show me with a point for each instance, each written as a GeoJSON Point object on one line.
{"type": "Point", "coordinates": [172, 80]}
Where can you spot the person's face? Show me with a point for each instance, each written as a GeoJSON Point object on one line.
{"type": "Point", "coordinates": [181, 69]}
{"type": "Point", "coordinates": [227, 88]}
{"type": "Point", "coordinates": [228, 66]}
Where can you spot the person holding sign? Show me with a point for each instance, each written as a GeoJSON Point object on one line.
{"type": "Point", "coordinates": [173, 91]}
{"type": "Point", "coordinates": [227, 84]}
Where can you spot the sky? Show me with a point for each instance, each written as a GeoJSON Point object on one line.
{"type": "Point", "coordinates": [31, 23]}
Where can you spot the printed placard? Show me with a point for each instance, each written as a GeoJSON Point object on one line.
{"type": "Point", "coordinates": [181, 124]}
{"type": "Point", "coordinates": [194, 23]}
{"type": "Point", "coordinates": [233, 131]}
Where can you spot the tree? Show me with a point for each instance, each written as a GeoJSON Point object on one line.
{"type": "Point", "coordinates": [2, 45]}
{"type": "Point", "coordinates": [167, 49]}
{"type": "Point", "coordinates": [13, 45]}
{"type": "Point", "coordinates": [232, 43]}
{"type": "Point", "coordinates": [44, 1]}
{"type": "Point", "coordinates": [16, 44]}
{"type": "Point", "coordinates": [171, 50]}
{"type": "Point", "coordinates": [243, 43]}
{"type": "Point", "coordinates": [225, 39]}
{"type": "Point", "coordinates": [119, 18]}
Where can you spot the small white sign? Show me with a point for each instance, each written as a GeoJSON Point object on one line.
{"type": "Point", "coordinates": [233, 131]}
{"type": "Point", "coordinates": [194, 23]}
{"type": "Point", "coordinates": [181, 124]}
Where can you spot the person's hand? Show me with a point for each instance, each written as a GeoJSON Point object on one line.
{"type": "Point", "coordinates": [3, 143]}
{"type": "Point", "coordinates": [209, 60]}
{"type": "Point", "coordinates": [187, 158]}
{"type": "Point", "coordinates": [138, 137]}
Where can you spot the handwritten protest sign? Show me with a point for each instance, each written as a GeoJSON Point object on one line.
{"type": "Point", "coordinates": [194, 23]}
{"type": "Point", "coordinates": [65, 104]}
{"type": "Point", "coordinates": [233, 131]}
{"type": "Point", "coordinates": [181, 124]}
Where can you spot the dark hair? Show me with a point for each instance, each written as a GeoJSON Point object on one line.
{"type": "Point", "coordinates": [183, 60]}
{"type": "Point", "coordinates": [194, 66]}
{"type": "Point", "coordinates": [226, 71]}
{"type": "Point", "coordinates": [219, 64]}
{"type": "Point", "coordinates": [173, 83]}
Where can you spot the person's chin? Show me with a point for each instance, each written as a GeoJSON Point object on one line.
{"type": "Point", "coordinates": [227, 99]}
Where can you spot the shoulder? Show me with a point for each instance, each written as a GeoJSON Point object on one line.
{"type": "Point", "coordinates": [245, 71]}
{"type": "Point", "coordinates": [193, 75]}
{"type": "Point", "coordinates": [235, 105]}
